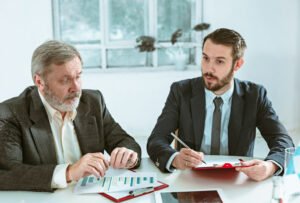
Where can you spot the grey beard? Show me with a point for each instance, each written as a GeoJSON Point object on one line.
{"type": "Point", "coordinates": [60, 105]}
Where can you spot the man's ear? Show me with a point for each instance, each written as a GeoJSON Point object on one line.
{"type": "Point", "coordinates": [39, 82]}
{"type": "Point", "coordinates": [238, 64]}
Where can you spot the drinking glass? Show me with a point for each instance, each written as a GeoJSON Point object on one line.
{"type": "Point", "coordinates": [288, 161]}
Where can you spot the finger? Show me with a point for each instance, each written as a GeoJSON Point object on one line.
{"type": "Point", "coordinates": [119, 157]}
{"type": "Point", "coordinates": [98, 155]}
{"type": "Point", "coordinates": [90, 170]}
{"type": "Point", "coordinates": [193, 162]}
{"type": "Point", "coordinates": [132, 160]}
{"type": "Point", "coordinates": [254, 174]}
{"type": "Point", "coordinates": [201, 155]}
{"type": "Point", "coordinates": [101, 160]}
{"type": "Point", "coordinates": [191, 159]}
{"type": "Point", "coordinates": [99, 164]}
{"type": "Point", "coordinates": [113, 156]}
{"type": "Point", "coordinates": [98, 167]}
{"type": "Point", "coordinates": [188, 165]}
{"type": "Point", "coordinates": [243, 169]}
{"type": "Point", "coordinates": [126, 159]}
{"type": "Point", "coordinates": [250, 163]}
{"type": "Point", "coordinates": [182, 162]}
{"type": "Point", "coordinates": [185, 161]}
{"type": "Point", "coordinates": [185, 150]}
{"type": "Point", "coordinates": [194, 154]}
{"type": "Point", "coordinates": [106, 164]}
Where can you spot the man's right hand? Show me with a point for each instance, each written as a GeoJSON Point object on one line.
{"type": "Point", "coordinates": [187, 158]}
{"type": "Point", "coordinates": [90, 164]}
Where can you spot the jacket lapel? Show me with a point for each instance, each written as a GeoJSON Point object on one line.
{"type": "Point", "coordinates": [41, 130]}
{"type": "Point", "coordinates": [198, 111]}
{"type": "Point", "coordinates": [236, 117]}
{"type": "Point", "coordinates": [86, 129]}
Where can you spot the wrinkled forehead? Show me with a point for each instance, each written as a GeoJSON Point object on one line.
{"type": "Point", "coordinates": [71, 68]}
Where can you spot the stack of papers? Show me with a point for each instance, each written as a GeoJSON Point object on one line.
{"type": "Point", "coordinates": [116, 181]}
{"type": "Point", "coordinates": [217, 162]}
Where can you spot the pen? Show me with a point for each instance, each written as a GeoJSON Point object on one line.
{"type": "Point", "coordinates": [141, 191]}
{"type": "Point", "coordinates": [181, 142]}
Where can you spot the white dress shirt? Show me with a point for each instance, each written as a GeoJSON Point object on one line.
{"type": "Point", "coordinates": [65, 142]}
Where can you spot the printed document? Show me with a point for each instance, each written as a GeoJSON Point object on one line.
{"type": "Point", "coordinates": [116, 180]}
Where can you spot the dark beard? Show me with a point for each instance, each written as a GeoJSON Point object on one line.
{"type": "Point", "coordinates": [220, 83]}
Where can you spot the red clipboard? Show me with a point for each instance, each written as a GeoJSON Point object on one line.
{"type": "Point", "coordinates": [115, 197]}
{"type": "Point", "coordinates": [221, 165]}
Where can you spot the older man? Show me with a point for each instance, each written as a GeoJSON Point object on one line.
{"type": "Point", "coordinates": [55, 132]}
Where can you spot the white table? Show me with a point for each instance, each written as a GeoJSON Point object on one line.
{"type": "Point", "coordinates": [236, 187]}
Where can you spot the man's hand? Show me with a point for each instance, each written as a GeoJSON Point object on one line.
{"type": "Point", "coordinates": [90, 164]}
{"type": "Point", "coordinates": [258, 170]}
{"type": "Point", "coordinates": [187, 158]}
{"type": "Point", "coordinates": [123, 158]}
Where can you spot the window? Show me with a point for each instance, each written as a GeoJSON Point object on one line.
{"type": "Point", "coordinates": [105, 31]}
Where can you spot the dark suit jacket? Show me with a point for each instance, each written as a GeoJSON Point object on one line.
{"type": "Point", "coordinates": [185, 110]}
{"type": "Point", "coordinates": [27, 151]}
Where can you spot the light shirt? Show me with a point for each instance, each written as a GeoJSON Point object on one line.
{"type": "Point", "coordinates": [226, 109]}
{"type": "Point", "coordinates": [209, 109]}
{"type": "Point", "coordinates": [65, 142]}
{"type": "Point", "coordinates": [206, 141]}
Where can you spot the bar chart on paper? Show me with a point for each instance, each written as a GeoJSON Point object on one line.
{"type": "Point", "coordinates": [92, 184]}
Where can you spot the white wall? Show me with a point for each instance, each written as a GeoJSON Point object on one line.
{"type": "Point", "coordinates": [271, 30]}
{"type": "Point", "coordinates": [24, 25]}
{"type": "Point", "coordinates": [135, 99]}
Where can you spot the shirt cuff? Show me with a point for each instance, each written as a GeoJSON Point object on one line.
{"type": "Point", "coordinates": [59, 176]}
{"type": "Point", "coordinates": [279, 170]}
{"type": "Point", "coordinates": [169, 163]}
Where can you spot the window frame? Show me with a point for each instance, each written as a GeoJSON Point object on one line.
{"type": "Point", "coordinates": [151, 24]}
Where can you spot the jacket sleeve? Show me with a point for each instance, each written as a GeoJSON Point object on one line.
{"type": "Point", "coordinates": [272, 129]}
{"type": "Point", "coordinates": [158, 145]}
{"type": "Point", "coordinates": [14, 174]}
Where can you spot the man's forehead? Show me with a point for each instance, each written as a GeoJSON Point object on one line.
{"type": "Point", "coordinates": [68, 68]}
{"type": "Point", "coordinates": [212, 49]}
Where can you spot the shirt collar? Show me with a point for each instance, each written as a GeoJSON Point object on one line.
{"type": "Point", "coordinates": [226, 96]}
{"type": "Point", "coordinates": [53, 112]}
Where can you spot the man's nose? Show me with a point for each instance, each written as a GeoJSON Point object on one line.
{"type": "Point", "coordinates": [210, 67]}
{"type": "Point", "coordinates": [76, 86]}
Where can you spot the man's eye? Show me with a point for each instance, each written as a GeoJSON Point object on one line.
{"type": "Point", "coordinates": [220, 62]}
{"type": "Point", "coordinates": [205, 58]}
{"type": "Point", "coordinates": [65, 81]}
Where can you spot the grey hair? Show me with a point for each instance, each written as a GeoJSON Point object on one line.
{"type": "Point", "coordinates": [51, 52]}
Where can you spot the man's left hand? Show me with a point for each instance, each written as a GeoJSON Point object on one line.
{"type": "Point", "coordinates": [122, 157]}
{"type": "Point", "coordinates": [258, 170]}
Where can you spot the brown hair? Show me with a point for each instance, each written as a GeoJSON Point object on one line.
{"type": "Point", "coordinates": [230, 38]}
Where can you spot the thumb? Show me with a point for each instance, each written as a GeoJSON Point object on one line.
{"type": "Point", "coordinates": [249, 163]}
